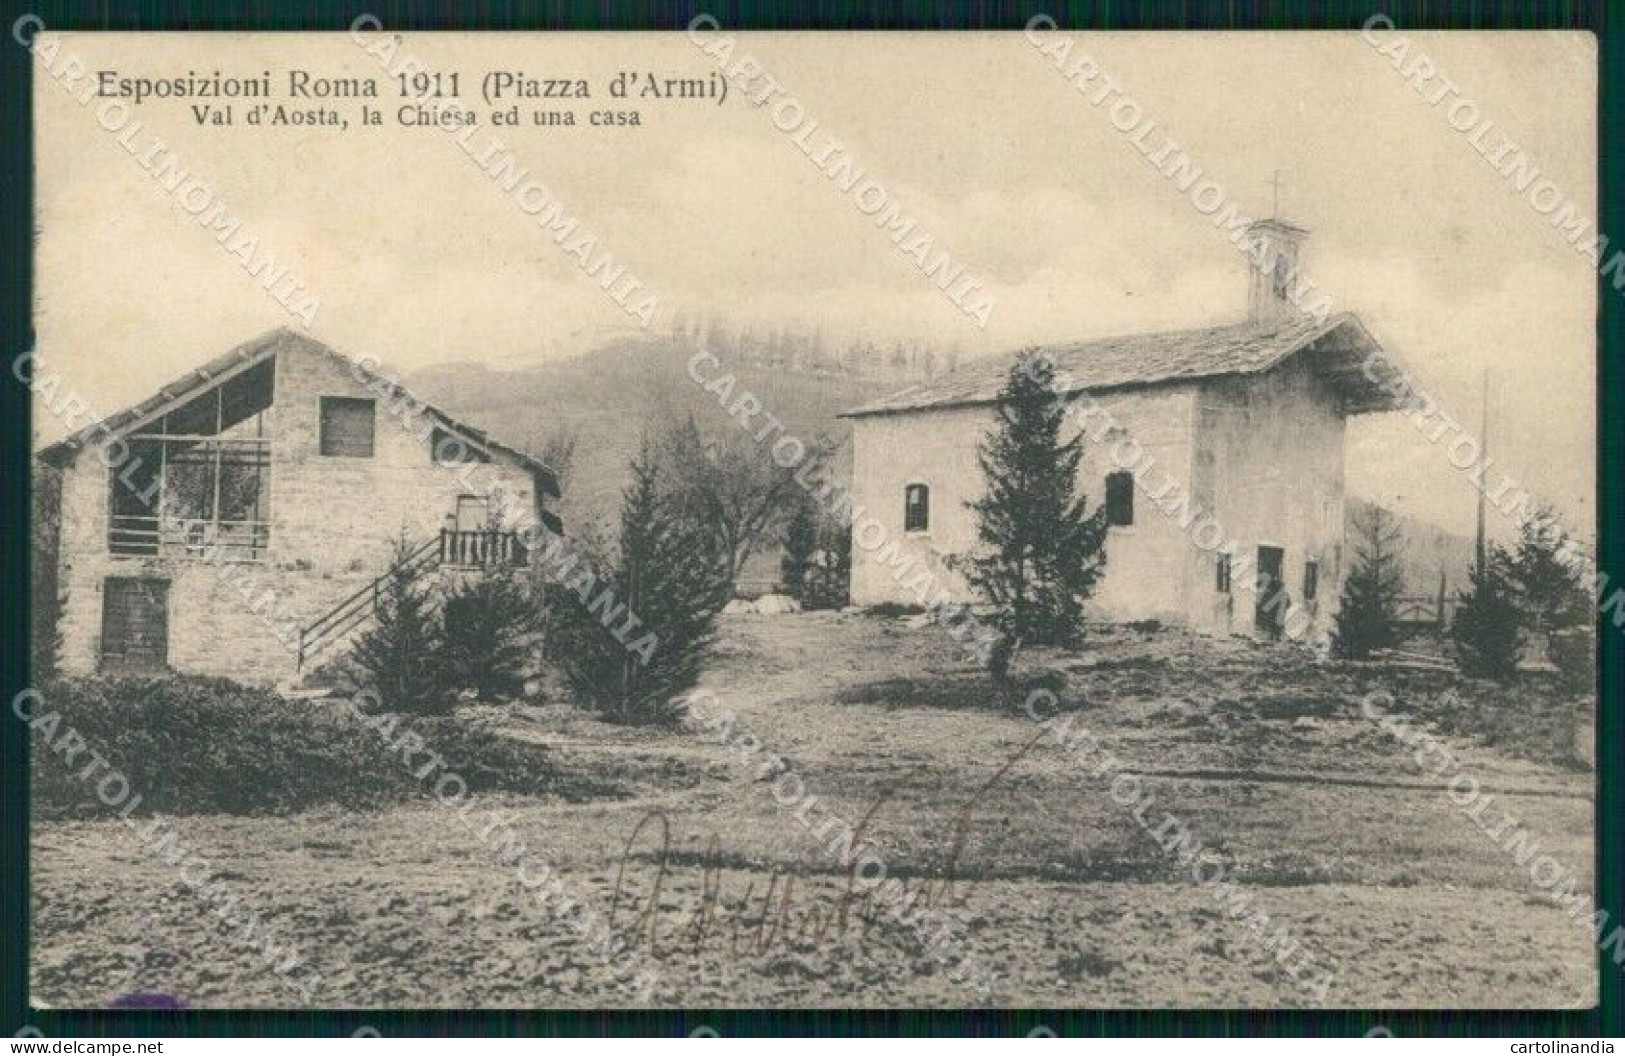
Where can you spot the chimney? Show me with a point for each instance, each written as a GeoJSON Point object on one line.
{"type": "Point", "coordinates": [1274, 248]}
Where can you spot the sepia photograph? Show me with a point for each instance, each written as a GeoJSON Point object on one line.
{"type": "Point", "coordinates": [731, 519]}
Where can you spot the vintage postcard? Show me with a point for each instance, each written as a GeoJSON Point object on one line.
{"type": "Point", "coordinates": [717, 519]}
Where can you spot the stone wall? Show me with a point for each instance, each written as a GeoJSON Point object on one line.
{"type": "Point", "coordinates": [333, 522]}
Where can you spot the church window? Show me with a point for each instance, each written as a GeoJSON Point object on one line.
{"type": "Point", "coordinates": [1120, 499]}
{"type": "Point", "coordinates": [916, 508]}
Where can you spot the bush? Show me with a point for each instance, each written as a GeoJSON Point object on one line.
{"type": "Point", "coordinates": [1574, 654]}
{"type": "Point", "coordinates": [893, 609]}
{"type": "Point", "coordinates": [192, 745]}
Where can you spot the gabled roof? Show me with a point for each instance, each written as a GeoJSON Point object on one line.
{"type": "Point", "coordinates": [1340, 346]}
{"type": "Point", "coordinates": [253, 351]}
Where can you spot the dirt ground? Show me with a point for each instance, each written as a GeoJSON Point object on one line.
{"type": "Point", "coordinates": [1058, 895]}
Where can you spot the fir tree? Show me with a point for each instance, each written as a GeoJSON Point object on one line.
{"type": "Point", "coordinates": [1042, 550]}
{"type": "Point", "coordinates": [800, 550]}
{"type": "Point", "coordinates": [1487, 624]}
{"type": "Point", "coordinates": [1368, 614]}
{"type": "Point", "coordinates": [1547, 590]}
{"type": "Point", "coordinates": [399, 657]}
{"type": "Point", "coordinates": [829, 583]}
{"type": "Point", "coordinates": [631, 653]}
{"type": "Point", "coordinates": [489, 624]}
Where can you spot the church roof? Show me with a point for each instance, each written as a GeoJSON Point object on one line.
{"type": "Point", "coordinates": [249, 352]}
{"type": "Point", "coordinates": [1339, 347]}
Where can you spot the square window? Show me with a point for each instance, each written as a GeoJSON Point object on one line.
{"type": "Point", "coordinates": [347, 427]}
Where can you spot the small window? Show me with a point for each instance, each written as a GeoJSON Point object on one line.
{"type": "Point", "coordinates": [916, 508]}
{"type": "Point", "coordinates": [449, 448]}
{"type": "Point", "coordinates": [1311, 579]}
{"type": "Point", "coordinates": [1221, 578]}
{"type": "Point", "coordinates": [347, 427]}
{"type": "Point", "coordinates": [1120, 499]}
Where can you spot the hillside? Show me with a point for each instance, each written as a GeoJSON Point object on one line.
{"type": "Point", "coordinates": [609, 396]}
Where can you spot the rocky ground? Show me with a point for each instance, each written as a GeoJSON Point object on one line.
{"type": "Point", "coordinates": [1057, 894]}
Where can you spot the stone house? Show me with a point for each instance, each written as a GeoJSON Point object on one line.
{"type": "Point", "coordinates": [1221, 469]}
{"type": "Point", "coordinates": [238, 521]}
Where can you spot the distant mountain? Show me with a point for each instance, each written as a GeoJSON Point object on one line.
{"type": "Point", "coordinates": [609, 396]}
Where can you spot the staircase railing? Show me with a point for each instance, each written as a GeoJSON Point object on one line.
{"type": "Point", "coordinates": [449, 549]}
{"type": "Point", "coordinates": [361, 606]}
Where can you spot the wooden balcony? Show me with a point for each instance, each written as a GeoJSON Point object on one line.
{"type": "Point", "coordinates": [482, 549]}
{"type": "Point", "coordinates": [188, 538]}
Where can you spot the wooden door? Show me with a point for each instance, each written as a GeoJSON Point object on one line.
{"type": "Point", "coordinates": [1269, 613]}
{"type": "Point", "coordinates": [135, 625]}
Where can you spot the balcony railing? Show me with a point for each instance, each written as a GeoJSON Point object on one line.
{"type": "Point", "coordinates": [187, 537]}
{"type": "Point", "coordinates": [191, 496]}
{"type": "Point", "coordinates": [482, 549]}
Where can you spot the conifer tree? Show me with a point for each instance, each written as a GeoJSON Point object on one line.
{"type": "Point", "coordinates": [1488, 624]}
{"type": "Point", "coordinates": [487, 633]}
{"type": "Point", "coordinates": [1547, 590]}
{"type": "Point", "coordinates": [800, 549]}
{"type": "Point", "coordinates": [1368, 614]}
{"type": "Point", "coordinates": [634, 632]}
{"type": "Point", "coordinates": [829, 584]}
{"type": "Point", "coordinates": [400, 655]}
{"type": "Point", "coordinates": [1042, 550]}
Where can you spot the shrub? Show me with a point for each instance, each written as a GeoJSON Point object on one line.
{"type": "Point", "coordinates": [892, 609]}
{"type": "Point", "coordinates": [1574, 653]}
{"type": "Point", "coordinates": [191, 745]}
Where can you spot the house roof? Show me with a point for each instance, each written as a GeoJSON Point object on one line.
{"type": "Point", "coordinates": [247, 354]}
{"type": "Point", "coordinates": [1340, 347]}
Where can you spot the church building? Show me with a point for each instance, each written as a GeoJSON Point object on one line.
{"type": "Point", "coordinates": [1221, 471]}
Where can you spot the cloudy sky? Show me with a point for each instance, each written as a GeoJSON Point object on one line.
{"type": "Point", "coordinates": [417, 258]}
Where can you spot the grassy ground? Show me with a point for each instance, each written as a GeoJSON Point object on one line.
{"type": "Point", "coordinates": [1328, 824]}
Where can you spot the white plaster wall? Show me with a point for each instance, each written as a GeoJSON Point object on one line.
{"type": "Point", "coordinates": [938, 448]}
{"type": "Point", "coordinates": [1276, 477]}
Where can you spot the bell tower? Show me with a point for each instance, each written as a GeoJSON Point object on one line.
{"type": "Point", "coordinates": [1274, 246]}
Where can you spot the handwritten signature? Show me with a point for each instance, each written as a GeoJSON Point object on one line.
{"type": "Point", "coordinates": [781, 915]}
